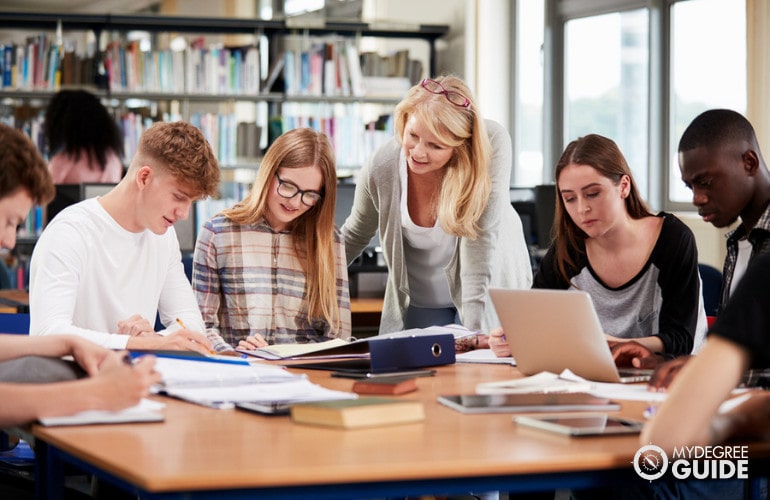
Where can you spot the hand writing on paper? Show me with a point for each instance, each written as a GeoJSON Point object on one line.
{"type": "Point", "coordinates": [119, 385]}
{"type": "Point", "coordinates": [498, 343]}
{"type": "Point", "coordinates": [252, 342]}
{"type": "Point", "coordinates": [135, 326]}
{"type": "Point", "coordinates": [633, 354]}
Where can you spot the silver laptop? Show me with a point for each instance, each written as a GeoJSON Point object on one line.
{"type": "Point", "coordinates": [552, 330]}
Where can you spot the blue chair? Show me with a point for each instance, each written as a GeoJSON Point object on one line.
{"type": "Point", "coordinates": [712, 288]}
{"type": "Point", "coordinates": [14, 323]}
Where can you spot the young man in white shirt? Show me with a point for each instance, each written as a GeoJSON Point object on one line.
{"type": "Point", "coordinates": [104, 267]}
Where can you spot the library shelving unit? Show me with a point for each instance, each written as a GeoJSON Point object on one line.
{"type": "Point", "coordinates": [109, 74]}
{"type": "Point", "coordinates": [180, 96]}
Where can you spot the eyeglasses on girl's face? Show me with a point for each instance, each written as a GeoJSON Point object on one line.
{"type": "Point", "coordinates": [288, 189]}
{"type": "Point", "coordinates": [455, 98]}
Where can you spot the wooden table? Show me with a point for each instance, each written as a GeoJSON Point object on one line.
{"type": "Point", "coordinates": [206, 453]}
{"type": "Point", "coordinates": [365, 313]}
{"type": "Point", "coordinates": [14, 301]}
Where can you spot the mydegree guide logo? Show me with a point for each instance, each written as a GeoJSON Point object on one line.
{"type": "Point", "coordinates": [651, 462]}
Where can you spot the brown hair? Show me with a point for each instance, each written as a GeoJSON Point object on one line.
{"type": "Point", "coordinates": [23, 167]}
{"type": "Point", "coordinates": [605, 157]}
{"type": "Point", "coordinates": [184, 152]}
{"type": "Point", "coordinates": [467, 183]}
{"type": "Point", "coordinates": [313, 231]}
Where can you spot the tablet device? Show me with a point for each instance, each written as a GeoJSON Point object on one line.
{"type": "Point", "coordinates": [267, 408]}
{"type": "Point", "coordinates": [581, 425]}
{"type": "Point", "coordinates": [529, 402]}
{"type": "Point", "coordinates": [358, 375]}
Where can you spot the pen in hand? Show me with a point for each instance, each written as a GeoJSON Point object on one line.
{"type": "Point", "coordinates": [181, 323]}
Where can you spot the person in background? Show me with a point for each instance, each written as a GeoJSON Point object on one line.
{"type": "Point", "coordinates": [640, 269]}
{"type": "Point", "coordinates": [84, 142]}
{"type": "Point", "coordinates": [271, 269]}
{"type": "Point", "coordinates": [721, 162]}
{"type": "Point", "coordinates": [438, 193]}
{"type": "Point", "coordinates": [111, 383]}
{"type": "Point", "coordinates": [105, 267]}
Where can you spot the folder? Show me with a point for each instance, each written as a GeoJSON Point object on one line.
{"type": "Point", "coordinates": [380, 354]}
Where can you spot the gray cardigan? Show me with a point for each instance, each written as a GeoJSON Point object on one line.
{"type": "Point", "coordinates": [498, 257]}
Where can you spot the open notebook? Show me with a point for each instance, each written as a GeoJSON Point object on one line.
{"type": "Point", "coordinates": [554, 330]}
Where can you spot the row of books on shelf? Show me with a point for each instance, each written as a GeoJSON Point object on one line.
{"type": "Point", "coordinates": [198, 69]}
{"type": "Point", "coordinates": [16, 272]}
{"type": "Point", "coordinates": [237, 143]}
{"type": "Point", "coordinates": [312, 67]}
{"type": "Point", "coordinates": [36, 63]}
{"type": "Point", "coordinates": [231, 141]}
{"type": "Point", "coordinates": [353, 140]}
{"type": "Point", "coordinates": [334, 67]}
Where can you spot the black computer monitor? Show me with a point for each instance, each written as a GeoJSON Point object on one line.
{"type": "Point", "coordinates": [343, 207]}
{"type": "Point", "coordinates": [66, 195]}
{"type": "Point", "coordinates": [545, 209]}
{"type": "Point", "coordinates": [69, 194]}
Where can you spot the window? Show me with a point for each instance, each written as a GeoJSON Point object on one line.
{"type": "Point", "coordinates": [528, 104]}
{"type": "Point", "coordinates": [606, 83]}
{"type": "Point", "coordinates": [638, 72]}
{"type": "Point", "coordinates": [708, 69]}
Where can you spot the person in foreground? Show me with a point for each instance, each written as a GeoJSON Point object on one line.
{"type": "Point", "coordinates": [721, 162]}
{"type": "Point", "coordinates": [737, 341]}
{"type": "Point", "coordinates": [271, 269]}
{"type": "Point", "coordinates": [105, 267]}
{"type": "Point", "coordinates": [640, 269]}
{"type": "Point", "coordinates": [438, 193]}
{"type": "Point", "coordinates": [84, 142]}
{"type": "Point", "coordinates": [113, 384]}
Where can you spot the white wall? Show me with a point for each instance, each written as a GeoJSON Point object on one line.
{"type": "Point", "coordinates": [477, 47]}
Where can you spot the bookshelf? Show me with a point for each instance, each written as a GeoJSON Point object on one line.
{"type": "Point", "coordinates": [192, 84]}
{"type": "Point", "coordinates": [218, 103]}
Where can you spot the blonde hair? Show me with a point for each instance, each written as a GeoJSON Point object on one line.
{"type": "Point", "coordinates": [466, 185]}
{"type": "Point", "coordinates": [313, 231]}
{"type": "Point", "coordinates": [183, 151]}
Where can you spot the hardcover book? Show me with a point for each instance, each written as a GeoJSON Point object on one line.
{"type": "Point", "coordinates": [358, 413]}
{"type": "Point", "coordinates": [391, 386]}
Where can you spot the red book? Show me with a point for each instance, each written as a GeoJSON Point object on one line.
{"type": "Point", "coordinates": [390, 386]}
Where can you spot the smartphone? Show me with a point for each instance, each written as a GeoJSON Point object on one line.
{"type": "Point", "coordinates": [267, 408]}
{"type": "Point", "coordinates": [596, 424]}
{"type": "Point", "coordinates": [367, 375]}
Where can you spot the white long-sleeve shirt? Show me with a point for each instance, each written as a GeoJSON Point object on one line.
{"type": "Point", "coordinates": [87, 273]}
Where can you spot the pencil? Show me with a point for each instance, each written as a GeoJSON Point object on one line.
{"type": "Point", "coordinates": [181, 323]}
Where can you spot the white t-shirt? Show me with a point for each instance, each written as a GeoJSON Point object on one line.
{"type": "Point", "coordinates": [427, 251]}
{"type": "Point", "coordinates": [87, 273]}
{"type": "Point", "coordinates": [741, 263]}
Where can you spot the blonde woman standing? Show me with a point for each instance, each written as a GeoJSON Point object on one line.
{"type": "Point", "coordinates": [438, 193]}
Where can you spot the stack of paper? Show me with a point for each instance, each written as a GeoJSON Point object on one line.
{"type": "Point", "coordinates": [223, 384]}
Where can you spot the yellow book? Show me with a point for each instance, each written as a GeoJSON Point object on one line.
{"type": "Point", "coordinates": [358, 413]}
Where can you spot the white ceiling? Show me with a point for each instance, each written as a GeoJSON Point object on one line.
{"type": "Point", "coordinates": [77, 6]}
